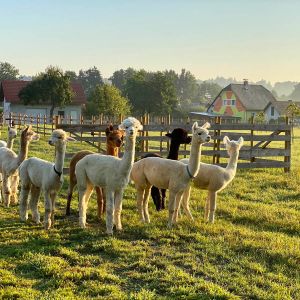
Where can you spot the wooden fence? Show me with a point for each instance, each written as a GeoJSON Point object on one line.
{"type": "Point", "coordinates": [266, 145]}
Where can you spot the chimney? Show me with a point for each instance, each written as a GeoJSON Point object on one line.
{"type": "Point", "coordinates": [246, 85]}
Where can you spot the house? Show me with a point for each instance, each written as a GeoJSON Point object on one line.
{"type": "Point", "coordinates": [277, 109]}
{"type": "Point", "coordinates": [9, 94]}
{"type": "Point", "coordinates": [241, 100]}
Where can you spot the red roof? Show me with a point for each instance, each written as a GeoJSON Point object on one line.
{"type": "Point", "coordinates": [10, 91]}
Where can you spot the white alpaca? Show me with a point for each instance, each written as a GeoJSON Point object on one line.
{"type": "Point", "coordinates": [40, 175]}
{"type": "Point", "coordinates": [9, 163]}
{"type": "Point", "coordinates": [11, 135]}
{"type": "Point", "coordinates": [168, 174]}
{"type": "Point", "coordinates": [214, 178]}
{"type": "Point", "coordinates": [109, 172]}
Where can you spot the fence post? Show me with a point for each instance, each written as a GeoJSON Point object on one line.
{"type": "Point", "coordinates": [56, 121]}
{"type": "Point", "coordinates": [218, 141]}
{"type": "Point", "coordinates": [287, 146]}
{"type": "Point", "coordinates": [45, 120]}
{"type": "Point", "coordinates": [161, 142]}
{"type": "Point", "coordinates": [252, 159]}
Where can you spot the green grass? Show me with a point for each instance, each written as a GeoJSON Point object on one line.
{"type": "Point", "coordinates": [251, 252]}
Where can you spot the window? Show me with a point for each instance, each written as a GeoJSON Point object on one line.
{"type": "Point", "coordinates": [61, 113]}
{"type": "Point", "coordinates": [232, 102]}
{"type": "Point", "coordinates": [228, 102]}
{"type": "Point", "coordinates": [272, 111]}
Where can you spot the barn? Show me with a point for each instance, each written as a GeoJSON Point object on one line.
{"type": "Point", "coordinates": [9, 95]}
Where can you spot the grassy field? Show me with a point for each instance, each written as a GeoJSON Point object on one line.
{"type": "Point", "coordinates": [251, 252]}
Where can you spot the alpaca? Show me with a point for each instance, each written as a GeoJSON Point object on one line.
{"type": "Point", "coordinates": [40, 175]}
{"type": "Point", "coordinates": [9, 163]}
{"type": "Point", "coordinates": [114, 140]}
{"type": "Point", "coordinates": [178, 136]}
{"type": "Point", "coordinates": [214, 178]}
{"type": "Point", "coordinates": [168, 174]}
{"type": "Point", "coordinates": [111, 173]}
{"type": "Point", "coordinates": [11, 135]}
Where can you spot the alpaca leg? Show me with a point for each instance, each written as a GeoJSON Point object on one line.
{"type": "Point", "coordinates": [163, 198]}
{"type": "Point", "coordinates": [172, 203]}
{"type": "Point", "coordinates": [6, 190]}
{"type": "Point", "coordinates": [84, 195]}
{"type": "Point", "coordinates": [53, 198]}
{"type": "Point", "coordinates": [213, 205]}
{"type": "Point", "coordinates": [145, 204]}
{"type": "Point", "coordinates": [0, 187]}
{"type": "Point", "coordinates": [14, 189]}
{"type": "Point", "coordinates": [110, 211]}
{"type": "Point", "coordinates": [177, 206]}
{"type": "Point", "coordinates": [118, 209]}
{"type": "Point", "coordinates": [155, 194]}
{"type": "Point", "coordinates": [48, 210]}
{"type": "Point", "coordinates": [25, 189]}
{"type": "Point", "coordinates": [140, 200]}
{"type": "Point", "coordinates": [186, 201]}
{"type": "Point", "coordinates": [69, 199]}
{"type": "Point", "coordinates": [99, 201]}
{"type": "Point", "coordinates": [207, 206]}
{"type": "Point", "coordinates": [34, 199]}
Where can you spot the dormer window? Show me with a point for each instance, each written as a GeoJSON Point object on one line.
{"type": "Point", "coordinates": [272, 111]}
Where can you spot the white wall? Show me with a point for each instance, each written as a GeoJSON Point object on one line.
{"type": "Point", "coordinates": [268, 113]}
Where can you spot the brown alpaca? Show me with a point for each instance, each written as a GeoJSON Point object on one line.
{"type": "Point", "coordinates": [114, 140]}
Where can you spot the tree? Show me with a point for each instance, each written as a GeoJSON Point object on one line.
{"type": "Point", "coordinates": [72, 75]}
{"type": "Point", "coordinates": [260, 118]}
{"type": "Point", "coordinates": [107, 99]}
{"type": "Point", "coordinates": [52, 87]}
{"type": "Point", "coordinates": [120, 77]}
{"type": "Point", "coordinates": [90, 79]}
{"type": "Point", "coordinates": [8, 71]}
{"type": "Point", "coordinates": [295, 95]}
{"type": "Point", "coordinates": [151, 93]}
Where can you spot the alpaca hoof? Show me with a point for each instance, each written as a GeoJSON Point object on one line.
{"type": "Point", "coordinates": [23, 218]}
{"type": "Point", "coordinates": [110, 233]}
{"type": "Point", "coordinates": [119, 228]}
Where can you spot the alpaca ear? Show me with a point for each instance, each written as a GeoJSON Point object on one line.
{"type": "Point", "coordinates": [241, 141]}
{"type": "Point", "coordinates": [121, 127]}
{"type": "Point", "coordinates": [169, 134]}
{"type": "Point", "coordinates": [226, 140]}
{"type": "Point", "coordinates": [111, 128]}
{"type": "Point", "coordinates": [206, 125]}
{"type": "Point", "coordinates": [195, 125]}
{"type": "Point", "coordinates": [140, 127]}
{"type": "Point", "coordinates": [107, 131]}
{"type": "Point", "coordinates": [70, 139]}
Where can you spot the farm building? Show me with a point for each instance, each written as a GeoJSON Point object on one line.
{"type": "Point", "coordinates": [241, 100]}
{"type": "Point", "coordinates": [9, 94]}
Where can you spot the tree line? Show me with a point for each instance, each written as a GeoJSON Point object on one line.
{"type": "Point", "coordinates": [126, 91]}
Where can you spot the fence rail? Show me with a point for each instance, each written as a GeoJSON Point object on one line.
{"type": "Point", "coordinates": [266, 145]}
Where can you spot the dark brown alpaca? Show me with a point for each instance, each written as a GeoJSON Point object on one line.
{"type": "Point", "coordinates": [178, 136]}
{"type": "Point", "coordinates": [114, 140]}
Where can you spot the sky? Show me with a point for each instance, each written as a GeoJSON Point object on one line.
{"type": "Point", "coordinates": [232, 38]}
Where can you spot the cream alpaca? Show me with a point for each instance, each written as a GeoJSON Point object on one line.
{"type": "Point", "coordinates": [168, 174]}
{"type": "Point", "coordinates": [214, 178]}
{"type": "Point", "coordinates": [40, 175]}
{"type": "Point", "coordinates": [9, 163]}
{"type": "Point", "coordinates": [11, 135]}
{"type": "Point", "coordinates": [111, 173]}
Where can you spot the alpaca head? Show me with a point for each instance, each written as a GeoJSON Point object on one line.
{"type": "Point", "coordinates": [114, 138]}
{"type": "Point", "coordinates": [233, 146]}
{"type": "Point", "coordinates": [28, 135]}
{"type": "Point", "coordinates": [12, 132]}
{"type": "Point", "coordinates": [179, 136]}
{"type": "Point", "coordinates": [200, 133]}
{"type": "Point", "coordinates": [131, 126]}
{"type": "Point", "coordinates": [59, 138]}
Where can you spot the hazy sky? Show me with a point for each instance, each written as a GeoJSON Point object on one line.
{"type": "Point", "coordinates": [232, 38]}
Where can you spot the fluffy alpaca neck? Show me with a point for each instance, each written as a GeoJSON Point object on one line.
{"type": "Point", "coordinates": [194, 161]}
{"type": "Point", "coordinates": [232, 163]}
{"type": "Point", "coordinates": [23, 151]}
{"type": "Point", "coordinates": [111, 150]}
{"type": "Point", "coordinates": [10, 142]}
{"type": "Point", "coordinates": [60, 157]}
{"type": "Point", "coordinates": [174, 149]}
{"type": "Point", "coordinates": [128, 157]}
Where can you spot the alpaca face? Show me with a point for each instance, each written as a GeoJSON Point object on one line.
{"type": "Point", "coordinates": [201, 134]}
{"type": "Point", "coordinates": [12, 132]}
{"type": "Point", "coordinates": [179, 136]}
{"type": "Point", "coordinates": [114, 138]}
{"type": "Point", "coordinates": [233, 146]}
{"type": "Point", "coordinates": [59, 138]}
{"type": "Point", "coordinates": [29, 135]}
{"type": "Point", "coordinates": [131, 126]}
